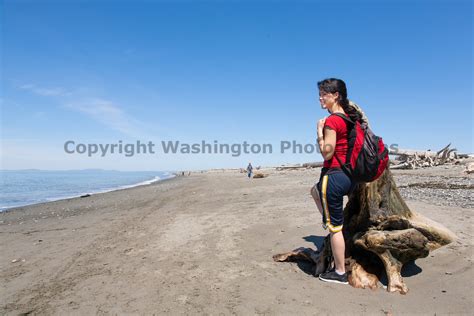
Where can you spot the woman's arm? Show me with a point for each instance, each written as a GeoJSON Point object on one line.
{"type": "Point", "coordinates": [326, 140]}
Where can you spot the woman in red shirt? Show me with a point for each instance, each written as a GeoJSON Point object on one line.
{"type": "Point", "coordinates": [328, 193]}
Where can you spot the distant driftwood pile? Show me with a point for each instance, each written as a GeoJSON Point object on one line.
{"type": "Point", "coordinates": [413, 159]}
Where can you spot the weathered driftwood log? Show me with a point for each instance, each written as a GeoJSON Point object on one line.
{"type": "Point", "coordinates": [306, 165]}
{"type": "Point", "coordinates": [381, 233]}
{"type": "Point", "coordinates": [313, 164]}
{"type": "Point", "coordinates": [411, 152]}
{"type": "Point", "coordinates": [289, 167]}
{"type": "Point", "coordinates": [402, 165]}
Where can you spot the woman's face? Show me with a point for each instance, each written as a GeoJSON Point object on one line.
{"type": "Point", "coordinates": [327, 100]}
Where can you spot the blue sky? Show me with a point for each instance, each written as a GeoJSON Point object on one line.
{"type": "Point", "coordinates": [231, 71]}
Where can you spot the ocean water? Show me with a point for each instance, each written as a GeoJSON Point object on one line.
{"type": "Point", "coordinates": [25, 187]}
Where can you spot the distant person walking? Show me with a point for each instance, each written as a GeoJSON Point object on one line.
{"type": "Point", "coordinates": [334, 183]}
{"type": "Point", "coordinates": [249, 170]}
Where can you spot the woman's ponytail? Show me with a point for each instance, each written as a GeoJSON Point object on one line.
{"type": "Point", "coordinates": [354, 115]}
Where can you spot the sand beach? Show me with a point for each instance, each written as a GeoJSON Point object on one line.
{"type": "Point", "coordinates": [203, 244]}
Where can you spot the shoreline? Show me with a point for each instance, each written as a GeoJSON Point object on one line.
{"type": "Point", "coordinates": [90, 193]}
{"type": "Point", "coordinates": [12, 213]}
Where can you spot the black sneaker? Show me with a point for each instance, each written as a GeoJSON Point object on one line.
{"type": "Point", "coordinates": [334, 277]}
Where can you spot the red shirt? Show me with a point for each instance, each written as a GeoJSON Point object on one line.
{"type": "Point", "coordinates": [337, 124]}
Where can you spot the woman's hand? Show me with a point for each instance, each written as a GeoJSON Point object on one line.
{"type": "Point", "coordinates": [321, 126]}
{"type": "Point", "coordinates": [326, 143]}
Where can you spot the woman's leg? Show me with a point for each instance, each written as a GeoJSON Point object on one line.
{"type": "Point", "coordinates": [317, 198]}
{"type": "Point", "coordinates": [338, 247]}
{"type": "Point", "coordinates": [333, 188]}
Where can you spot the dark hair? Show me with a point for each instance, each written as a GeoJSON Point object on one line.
{"type": "Point", "coordinates": [333, 85]}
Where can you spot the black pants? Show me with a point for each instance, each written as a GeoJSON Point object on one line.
{"type": "Point", "coordinates": [332, 186]}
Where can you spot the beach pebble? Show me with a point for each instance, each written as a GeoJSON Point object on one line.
{"type": "Point", "coordinates": [438, 190]}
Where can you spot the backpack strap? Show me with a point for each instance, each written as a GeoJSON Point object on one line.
{"type": "Point", "coordinates": [344, 117]}
{"type": "Point", "coordinates": [344, 167]}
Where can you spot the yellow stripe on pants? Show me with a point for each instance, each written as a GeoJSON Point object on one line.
{"type": "Point", "coordinates": [332, 229]}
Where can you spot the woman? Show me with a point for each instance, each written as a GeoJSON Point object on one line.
{"type": "Point", "coordinates": [333, 184]}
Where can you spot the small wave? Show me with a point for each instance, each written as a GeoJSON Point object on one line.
{"type": "Point", "coordinates": [6, 207]}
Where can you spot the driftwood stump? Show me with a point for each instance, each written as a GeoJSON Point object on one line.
{"type": "Point", "coordinates": [381, 234]}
